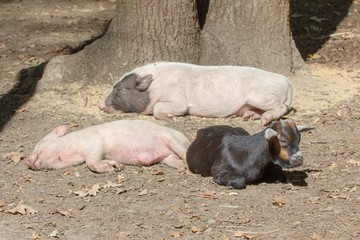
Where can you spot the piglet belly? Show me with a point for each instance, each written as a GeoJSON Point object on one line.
{"type": "Point", "coordinates": [139, 156]}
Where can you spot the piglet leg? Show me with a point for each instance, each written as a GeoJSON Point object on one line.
{"type": "Point", "coordinates": [250, 114]}
{"type": "Point", "coordinates": [175, 162]}
{"type": "Point", "coordinates": [273, 114]}
{"type": "Point", "coordinates": [168, 110]}
{"type": "Point", "coordinates": [103, 166]}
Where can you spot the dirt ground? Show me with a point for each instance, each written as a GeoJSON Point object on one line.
{"type": "Point", "coordinates": [318, 200]}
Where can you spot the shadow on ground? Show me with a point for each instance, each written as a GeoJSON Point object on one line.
{"type": "Point", "coordinates": [21, 93]}
{"type": "Point", "coordinates": [313, 21]}
{"type": "Point", "coordinates": [273, 173]}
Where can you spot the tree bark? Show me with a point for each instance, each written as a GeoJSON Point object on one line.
{"type": "Point", "coordinates": [142, 31]}
{"type": "Point", "coordinates": [235, 32]}
{"type": "Point", "coordinates": [252, 33]}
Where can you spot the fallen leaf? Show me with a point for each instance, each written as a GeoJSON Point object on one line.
{"type": "Point", "coordinates": [316, 236]}
{"type": "Point", "coordinates": [233, 193]}
{"type": "Point", "coordinates": [54, 234]}
{"type": "Point", "coordinates": [28, 226]}
{"type": "Point", "coordinates": [20, 110]}
{"type": "Point", "coordinates": [243, 235]}
{"type": "Point", "coordinates": [68, 214]}
{"type": "Point", "coordinates": [313, 56]}
{"type": "Point", "coordinates": [343, 112]}
{"type": "Point", "coordinates": [123, 235]}
{"type": "Point", "coordinates": [92, 192]}
{"type": "Point", "coordinates": [26, 178]}
{"type": "Point", "coordinates": [317, 19]}
{"type": "Point", "coordinates": [195, 229]}
{"type": "Point", "coordinates": [120, 178]}
{"type": "Point", "coordinates": [314, 200]}
{"type": "Point", "coordinates": [14, 156]}
{"type": "Point", "coordinates": [316, 175]}
{"type": "Point", "coordinates": [157, 172]}
{"type": "Point", "coordinates": [355, 162]}
{"type": "Point", "coordinates": [111, 185]}
{"type": "Point", "coordinates": [74, 125]}
{"type": "Point", "coordinates": [161, 179]}
{"type": "Point", "coordinates": [143, 192]}
{"type": "Point", "coordinates": [34, 60]}
{"type": "Point", "coordinates": [35, 236]}
{"type": "Point", "coordinates": [81, 193]}
{"type": "Point", "coordinates": [176, 235]}
{"type": "Point", "coordinates": [121, 190]}
{"type": "Point", "coordinates": [21, 56]}
{"type": "Point", "coordinates": [341, 196]}
{"type": "Point", "coordinates": [22, 209]}
{"type": "Point", "coordinates": [278, 201]}
{"type": "Point", "coordinates": [208, 194]}
{"type": "Point", "coordinates": [332, 166]}
{"type": "Point", "coordinates": [229, 206]}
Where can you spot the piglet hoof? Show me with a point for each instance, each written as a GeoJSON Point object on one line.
{"type": "Point", "coordinates": [182, 169]}
{"type": "Point", "coordinates": [171, 117]}
{"type": "Point", "coordinates": [265, 121]}
{"type": "Point", "coordinates": [106, 166]}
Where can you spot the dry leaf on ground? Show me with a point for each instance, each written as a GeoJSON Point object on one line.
{"type": "Point", "coordinates": [243, 235]}
{"type": "Point", "coordinates": [92, 192]}
{"type": "Point", "coordinates": [355, 162]}
{"type": "Point", "coordinates": [22, 209]}
{"type": "Point", "coordinates": [14, 156]}
{"type": "Point", "coordinates": [143, 192]}
{"type": "Point", "coordinates": [278, 201]}
{"type": "Point", "coordinates": [111, 185]}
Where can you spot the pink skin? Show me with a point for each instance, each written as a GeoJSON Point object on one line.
{"type": "Point", "coordinates": [102, 147]}
{"type": "Point", "coordinates": [108, 109]}
{"type": "Point", "coordinates": [213, 91]}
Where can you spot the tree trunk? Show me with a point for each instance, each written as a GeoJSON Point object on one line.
{"type": "Point", "coordinates": [251, 33]}
{"type": "Point", "coordinates": [235, 32]}
{"type": "Point", "coordinates": [142, 31]}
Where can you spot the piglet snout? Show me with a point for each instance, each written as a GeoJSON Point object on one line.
{"type": "Point", "coordinates": [108, 109]}
{"type": "Point", "coordinates": [30, 162]}
{"type": "Point", "coordinates": [101, 104]}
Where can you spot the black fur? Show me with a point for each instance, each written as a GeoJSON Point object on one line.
{"type": "Point", "coordinates": [127, 97]}
{"type": "Point", "coordinates": [235, 158]}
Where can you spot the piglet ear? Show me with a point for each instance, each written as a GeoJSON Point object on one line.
{"type": "Point", "coordinates": [60, 130]}
{"type": "Point", "coordinates": [273, 141]}
{"type": "Point", "coordinates": [144, 82]}
{"type": "Point", "coordinates": [304, 128]}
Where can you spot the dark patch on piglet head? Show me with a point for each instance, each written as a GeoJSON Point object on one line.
{"type": "Point", "coordinates": [129, 94]}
